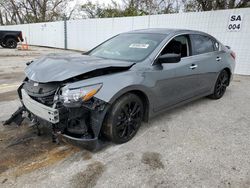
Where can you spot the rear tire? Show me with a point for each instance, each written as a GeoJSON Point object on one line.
{"type": "Point", "coordinates": [3, 44]}
{"type": "Point", "coordinates": [220, 85]}
{"type": "Point", "coordinates": [124, 119]}
{"type": "Point", "coordinates": [10, 43]}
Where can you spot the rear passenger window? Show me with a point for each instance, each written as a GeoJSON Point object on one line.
{"type": "Point", "coordinates": [202, 44]}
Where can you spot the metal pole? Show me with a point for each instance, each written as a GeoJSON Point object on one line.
{"type": "Point", "coordinates": [65, 33]}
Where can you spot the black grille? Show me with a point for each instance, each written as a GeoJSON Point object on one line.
{"type": "Point", "coordinates": [41, 92]}
{"type": "Point", "coordinates": [46, 100]}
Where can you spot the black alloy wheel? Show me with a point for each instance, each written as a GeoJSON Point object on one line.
{"type": "Point", "coordinates": [124, 119]}
{"type": "Point", "coordinates": [11, 43]}
{"type": "Point", "coordinates": [221, 85]}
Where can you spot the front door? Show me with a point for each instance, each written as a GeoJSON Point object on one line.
{"type": "Point", "coordinates": [176, 82]}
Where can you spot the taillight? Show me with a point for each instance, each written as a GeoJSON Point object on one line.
{"type": "Point", "coordinates": [233, 55]}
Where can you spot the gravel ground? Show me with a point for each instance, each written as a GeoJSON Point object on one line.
{"type": "Point", "coordinates": [203, 144]}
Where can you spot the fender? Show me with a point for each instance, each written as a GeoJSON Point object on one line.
{"type": "Point", "coordinates": [115, 86]}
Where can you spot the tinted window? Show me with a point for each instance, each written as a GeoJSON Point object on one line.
{"type": "Point", "coordinates": [128, 47]}
{"type": "Point", "coordinates": [178, 45]}
{"type": "Point", "coordinates": [201, 44]}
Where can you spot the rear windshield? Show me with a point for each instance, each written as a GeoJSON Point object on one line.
{"type": "Point", "coordinates": [128, 47]}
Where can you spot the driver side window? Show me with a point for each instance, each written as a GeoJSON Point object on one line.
{"type": "Point", "coordinates": [178, 45]}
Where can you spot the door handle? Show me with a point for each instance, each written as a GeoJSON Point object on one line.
{"type": "Point", "coordinates": [193, 66]}
{"type": "Point", "coordinates": [218, 58]}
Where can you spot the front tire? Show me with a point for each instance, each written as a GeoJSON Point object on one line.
{"type": "Point", "coordinates": [124, 119]}
{"type": "Point", "coordinates": [220, 85]}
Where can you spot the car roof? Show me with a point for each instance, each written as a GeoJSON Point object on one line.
{"type": "Point", "coordinates": [166, 31]}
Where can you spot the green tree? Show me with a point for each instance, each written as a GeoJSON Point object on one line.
{"type": "Point", "coordinates": [204, 5]}
{"type": "Point", "coordinates": [130, 8]}
{"type": "Point", "coordinates": [31, 11]}
{"type": "Point", "coordinates": [100, 11]}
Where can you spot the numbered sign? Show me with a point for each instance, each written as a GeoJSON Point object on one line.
{"type": "Point", "coordinates": [235, 22]}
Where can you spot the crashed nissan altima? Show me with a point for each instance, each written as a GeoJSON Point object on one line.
{"type": "Point", "coordinates": [105, 93]}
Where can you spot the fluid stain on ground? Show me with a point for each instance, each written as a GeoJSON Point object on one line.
{"type": "Point", "coordinates": [153, 160]}
{"type": "Point", "coordinates": [23, 151]}
{"type": "Point", "coordinates": [86, 155]}
{"type": "Point", "coordinates": [46, 159]}
{"type": "Point", "coordinates": [89, 177]}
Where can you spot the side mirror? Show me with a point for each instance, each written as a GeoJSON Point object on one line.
{"type": "Point", "coordinates": [169, 58]}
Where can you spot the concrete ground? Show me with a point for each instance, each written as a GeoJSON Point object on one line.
{"type": "Point", "coordinates": [203, 144]}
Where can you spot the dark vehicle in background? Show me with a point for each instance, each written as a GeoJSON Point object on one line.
{"type": "Point", "coordinates": [108, 91]}
{"type": "Point", "coordinates": [9, 39]}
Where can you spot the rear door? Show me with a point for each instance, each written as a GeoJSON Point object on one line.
{"type": "Point", "coordinates": [207, 58]}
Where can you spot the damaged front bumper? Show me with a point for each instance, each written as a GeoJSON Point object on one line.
{"type": "Point", "coordinates": [47, 113]}
{"type": "Point", "coordinates": [91, 144]}
{"type": "Point", "coordinates": [79, 125]}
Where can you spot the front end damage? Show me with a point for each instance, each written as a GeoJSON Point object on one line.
{"type": "Point", "coordinates": [60, 91]}
{"type": "Point", "coordinates": [77, 122]}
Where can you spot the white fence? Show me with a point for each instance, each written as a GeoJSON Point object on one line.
{"type": "Point", "coordinates": [87, 33]}
{"type": "Point", "coordinates": [42, 34]}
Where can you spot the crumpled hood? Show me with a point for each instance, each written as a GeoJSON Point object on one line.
{"type": "Point", "coordinates": [59, 67]}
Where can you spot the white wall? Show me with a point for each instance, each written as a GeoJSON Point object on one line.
{"type": "Point", "coordinates": [42, 34]}
{"type": "Point", "coordinates": [85, 34]}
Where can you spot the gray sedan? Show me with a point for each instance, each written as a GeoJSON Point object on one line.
{"type": "Point", "coordinates": [106, 93]}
